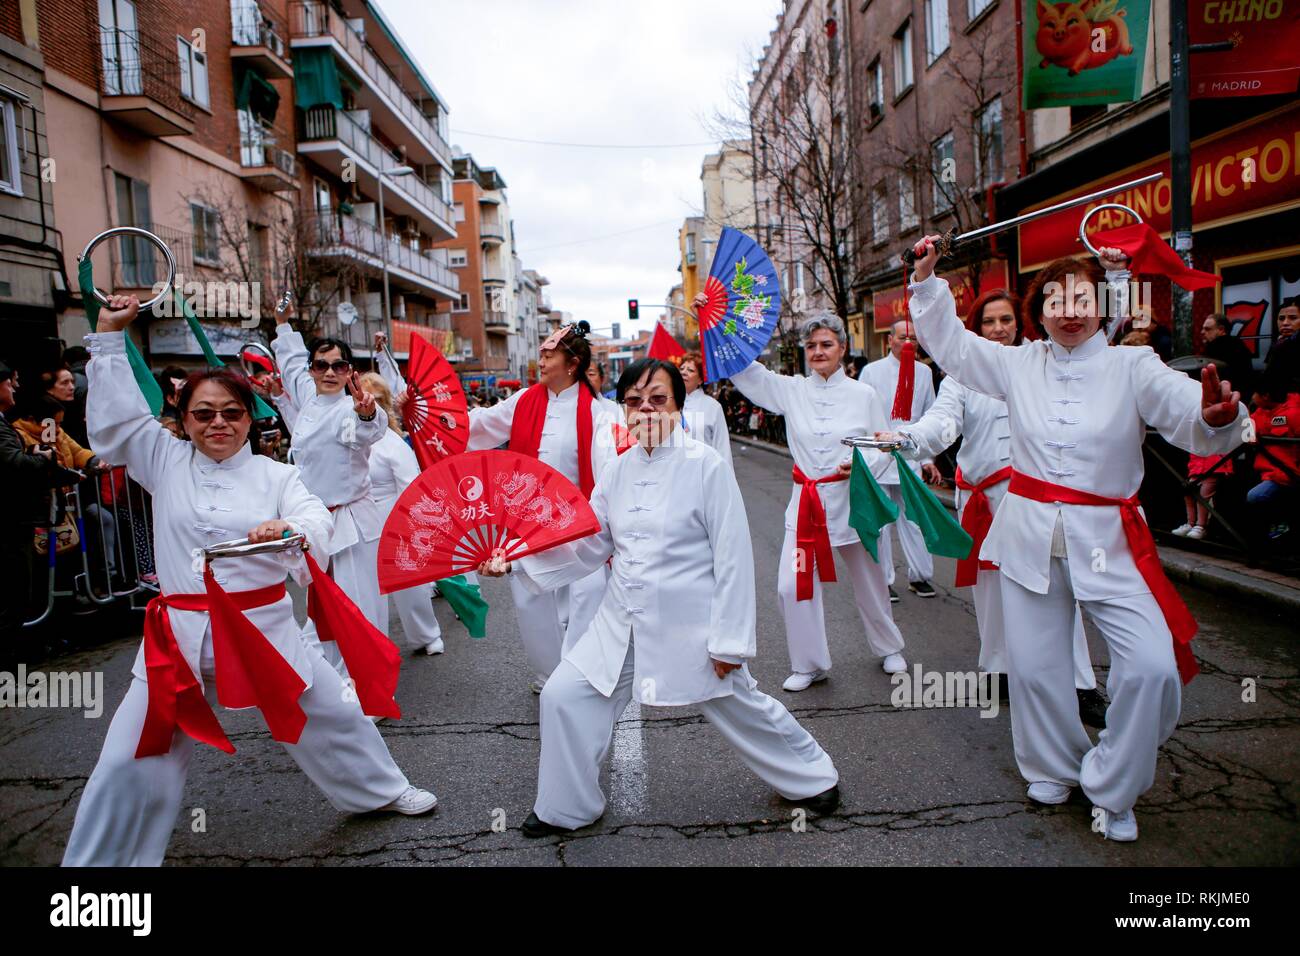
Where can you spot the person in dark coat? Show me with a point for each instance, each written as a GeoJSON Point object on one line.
{"type": "Point", "coordinates": [1221, 344]}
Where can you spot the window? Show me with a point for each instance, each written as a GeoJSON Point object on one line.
{"type": "Point", "coordinates": [690, 248]}
{"type": "Point", "coordinates": [943, 172]}
{"type": "Point", "coordinates": [975, 7]}
{"type": "Point", "coordinates": [457, 258]}
{"type": "Point", "coordinates": [207, 234]}
{"type": "Point", "coordinates": [875, 90]}
{"type": "Point", "coordinates": [907, 219]}
{"type": "Point", "coordinates": [798, 277]}
{"type": "Point", "coordinates": [194, 72]}
{"type": "Point", "coordinates": [137, 254]}
{"type": "Point", "coordinates": [903, 58]}
{"type": "Point", "coordinates": [461, 304]}
{"type": "Point", "coordinates": [879, 213]}
{"type": "Point", "coordinates": [11, 172]}
{"type": "Point", "coordinates": [458, 212]}
{"type": "Point", "coordinates": [988, 145]}
{"type": "Point", "coordinates": [120, 48]}
{"type": "Point", "coordinates": [936, 28]}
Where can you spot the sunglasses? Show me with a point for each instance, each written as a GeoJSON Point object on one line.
{"type": "Point", "coordinates": [322, 366]}
{"type": "Point", "coordinates": [636, 401]}
{"type": "Point", "coordinates": [205, 415]}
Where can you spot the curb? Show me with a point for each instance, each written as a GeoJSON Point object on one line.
{"type": "Point", "coordinates": [1179, 565]}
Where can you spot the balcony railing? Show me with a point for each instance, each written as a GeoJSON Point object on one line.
{"type": "Point", "coordinates": [252, 26]}
{"type": "Point", "coordinates": [137, 263]}
{"type": "Point", "coordinates": [134, 64]}
{"type": "Point", "coordinates": [496, 320]}
{"type": "Point", "coordinates": [492, 232]}
{"type": "Point", "coordinates": [315, 19]}
{"type": "Point", "coordinates": [321, 123]}
{"type": "Point", "coordinates": [330, 231]}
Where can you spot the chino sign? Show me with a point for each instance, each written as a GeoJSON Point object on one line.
{"type": "Point", "coordinates": [1239, 173]}
{"type": "Point", "coordinates": [1266, 37]}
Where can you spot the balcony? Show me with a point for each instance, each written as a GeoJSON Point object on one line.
{"type": "Point", "coordinates": [351, 238]}
{"type": "Point", "coordinates": [491, 233]}
{"type": "Point", "coordinates": [140, 84]}
{"type": "Point", "coordinates": [496, 322]}
{"type": "Point", "coordinates": [264, 164]}
{"type": "Point", "coordinates": [258, 39]}
{"type": "Point", "coordinates": [136, 264]}
{"type": "Point", "coordinates": [331, 136]}
{"type": "Point", "coordinates": [493, 272]}
{"type": "Point", "coordinates": [313, 23]}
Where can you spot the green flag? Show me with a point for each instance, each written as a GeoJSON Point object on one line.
{"type": "Point", "coordinates": [467, 602]}
{"type": "Point", "coordinates": [143, 377]}
{"type": "Point", "coordinates": [261, 410]}
{"type": "Point", "coordinates": [870, 509]}
{"type": "Point", "coordinates": [943, 535]}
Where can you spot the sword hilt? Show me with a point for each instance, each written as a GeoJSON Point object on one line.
{"type": "Point", "coordinates": [945, 248]}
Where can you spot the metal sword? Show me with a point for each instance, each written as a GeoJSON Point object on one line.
{"type": "Point", "coordinates": [951, 238]}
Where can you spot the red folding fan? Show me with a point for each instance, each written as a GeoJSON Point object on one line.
{"type": "Point", "coordinates": [435, 414]}
{"type": "Point", "coordinates": [460, 511]}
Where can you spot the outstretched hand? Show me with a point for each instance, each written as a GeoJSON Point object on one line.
{"type": "Point", "coordinates": [1218, 401]}
{"type": "Point", "coordinates": [495, 566]}
{"type": "Point", "coordinates": [120, 312]}
{"type": "Point", "coordinates": [362, 401]}
{"type": "Point", "coordinates": [927, 254]}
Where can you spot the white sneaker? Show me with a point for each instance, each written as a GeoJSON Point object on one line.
{"type": "Point", "coordinates": [1122, 827]}
{"type": "Point", "coordinates": [536, 686]}
{"type": "Point", "coordinates": [1046, 791]}
{"type": "Point", "coordinates": [1182, 530]}
{"type": "Point", "coordinates": [1197, 533]}
{"type": "Point", "coordinates": [894, 664]}
{"type": "Point", "coordinates": [412, 802]}
{"type": "Point", "coordinates": [435, 648]}
{"type": "Point", "coordinates": [799, 681]}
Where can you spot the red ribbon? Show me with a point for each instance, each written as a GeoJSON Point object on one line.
{"type": "Point", "coordinates": [976, 519]}
{"type": "Point", "coordinates": [530, 417]}
{"type": "Point", "coordinates": [811, 536]}
{"type": "Point", "coordinates": [373, 661]}
{"type": "Point", "coordinates": [1181, 623]}
{"type": "Point", "coordinates": [175, 694]}
{"type": "Point", "coordinates": [902, 409]}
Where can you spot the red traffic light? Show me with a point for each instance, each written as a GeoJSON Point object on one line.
{"type": "Point", "coordinates": [631, 309]}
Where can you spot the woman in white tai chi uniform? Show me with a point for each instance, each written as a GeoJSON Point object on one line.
{"type": "Point", "coordinates": [393, 466]}
{"type": "Point", "coordinates": [882, 375]}
{"type": "Point", "coordinates": [703, 417]}
{"type": "Point", "coordinates": [1069, 527]}
{"type": "Point", "coordinates": [206, 490]}
{"type": "Point", "coordinates": [820, 409]}
{"type": "Point", "coordinates": [983, 470]}
{"type": "Point", "coordinates": [677, 622]}
{"type": "Point", "coordinates": [561, 422]}
{"type": "Point", "coordinates": [332, 436]}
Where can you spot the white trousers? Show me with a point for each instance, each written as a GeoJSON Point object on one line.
{"type": "Point", "coordinates": [987, 596]}
{"type": "Point", "coordinates": [920, 564]}
{"type": "Point", "coordinates": [415, 610]}
{"type": "Point", "coordinates": [129, 808]}
{"type": "Point", "coordinates": [539, 626]}
{"type": "Point", "coordinates": [1144, 688]}
{"type": "Point", "coordinates": [577, 724]}
{"type": "Point", "coordinates": [355, 569]}
{"type": "Point", "coordinates": [805, 621]}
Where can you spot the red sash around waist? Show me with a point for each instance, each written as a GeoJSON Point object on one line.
{"type": "Point", "coordinates": [1143, 547]}
{"type": "Point", "coordinates": [976, 519]}
{"type": "Point", "coordinates": [811, 536]}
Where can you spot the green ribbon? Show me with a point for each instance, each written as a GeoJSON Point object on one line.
{"type": "Point", "coordinates": [943, 535]}
{"type": "Point", "coordinates": [870, 509]}
{"type": "Point", "coordinates": [468, 603]}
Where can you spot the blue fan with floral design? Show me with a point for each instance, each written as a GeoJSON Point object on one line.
{"type": "Point", "coordinates": [744, 301]}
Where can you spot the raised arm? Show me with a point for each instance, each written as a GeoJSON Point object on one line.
{"type": "Point", "coordinates": [119, 423]}
{"type": "Point", "coordinates": [388, 371]}
{"type": "Point", "coordinates": [940, 426]}
{"type": "Point", "coordinates": [731, 613]}
{"type": "Point", "coordinates": [291, 356]}
{"type": "Point", "coordinates": [764, 387]}
{"type": "Point", "coordinates": [973, 360]}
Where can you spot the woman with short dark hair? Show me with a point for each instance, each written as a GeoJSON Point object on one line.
{"type": "Point", "coordinates": [207, 489]}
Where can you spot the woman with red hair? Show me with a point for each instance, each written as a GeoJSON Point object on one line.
{"type": "Point", "coordinates": [983, 470]}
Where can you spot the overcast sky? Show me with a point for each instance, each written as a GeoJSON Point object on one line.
{"type": "Point", "coordinates": [603, 72]}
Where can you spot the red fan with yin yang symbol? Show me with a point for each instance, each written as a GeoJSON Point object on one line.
{"type": "Point", "coordinates": [435, 413]}
{"type": "Point", "coordinates": [460, 511]}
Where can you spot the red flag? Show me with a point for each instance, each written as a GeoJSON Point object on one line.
{"type": "Point", "coordinates": [663, 345]}
{"type": "Point", "coordinates": [1150, 254]}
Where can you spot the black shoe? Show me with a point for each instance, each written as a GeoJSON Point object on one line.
{"type": "Point", "coordinates": [823, 803]}
{"type": "Point", "coordinates": [921, 588]}
{"type": "Point", "coordinates": [893, 596]}
{"type": "Point", "coordinates": [535, 827]}
{"type": "Point", "coordinates": [1092, 708]}
{"type": "Point", "coordinates": [1004, 687]}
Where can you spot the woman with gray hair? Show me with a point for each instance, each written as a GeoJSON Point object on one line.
{"type": "Point", "coordinates": [820, 409]}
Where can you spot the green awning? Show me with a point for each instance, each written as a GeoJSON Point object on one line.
{"type": "Point", "coordinates": [255, 94]}
{"type": "Point", "coordinates": [316, 78]}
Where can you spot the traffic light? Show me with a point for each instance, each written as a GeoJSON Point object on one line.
{"type": "Point", "coordinates": [631, 309]}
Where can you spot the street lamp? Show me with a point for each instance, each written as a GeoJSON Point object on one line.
{"type": "Point", "coordinates": [383, 243]}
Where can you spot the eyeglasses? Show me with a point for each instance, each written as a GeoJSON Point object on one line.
{"type": "Point", "coordinates": [232, 414]}
{"type": "Point", "coordinates": [322, 366]}
{"type": "Point", "coordinates": [636, 401]}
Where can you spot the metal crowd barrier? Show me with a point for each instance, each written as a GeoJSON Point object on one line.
{"type": "Point", "coordinates": [91, 572]}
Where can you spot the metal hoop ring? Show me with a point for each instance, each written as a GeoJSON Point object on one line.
{"type": "Point", "coordinates": [144, 234]}
{"type": "Point", "coordinates": [1083, 226]}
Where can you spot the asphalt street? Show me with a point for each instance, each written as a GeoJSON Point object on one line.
{"type": "Point", "coordinates": [920, 785]}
